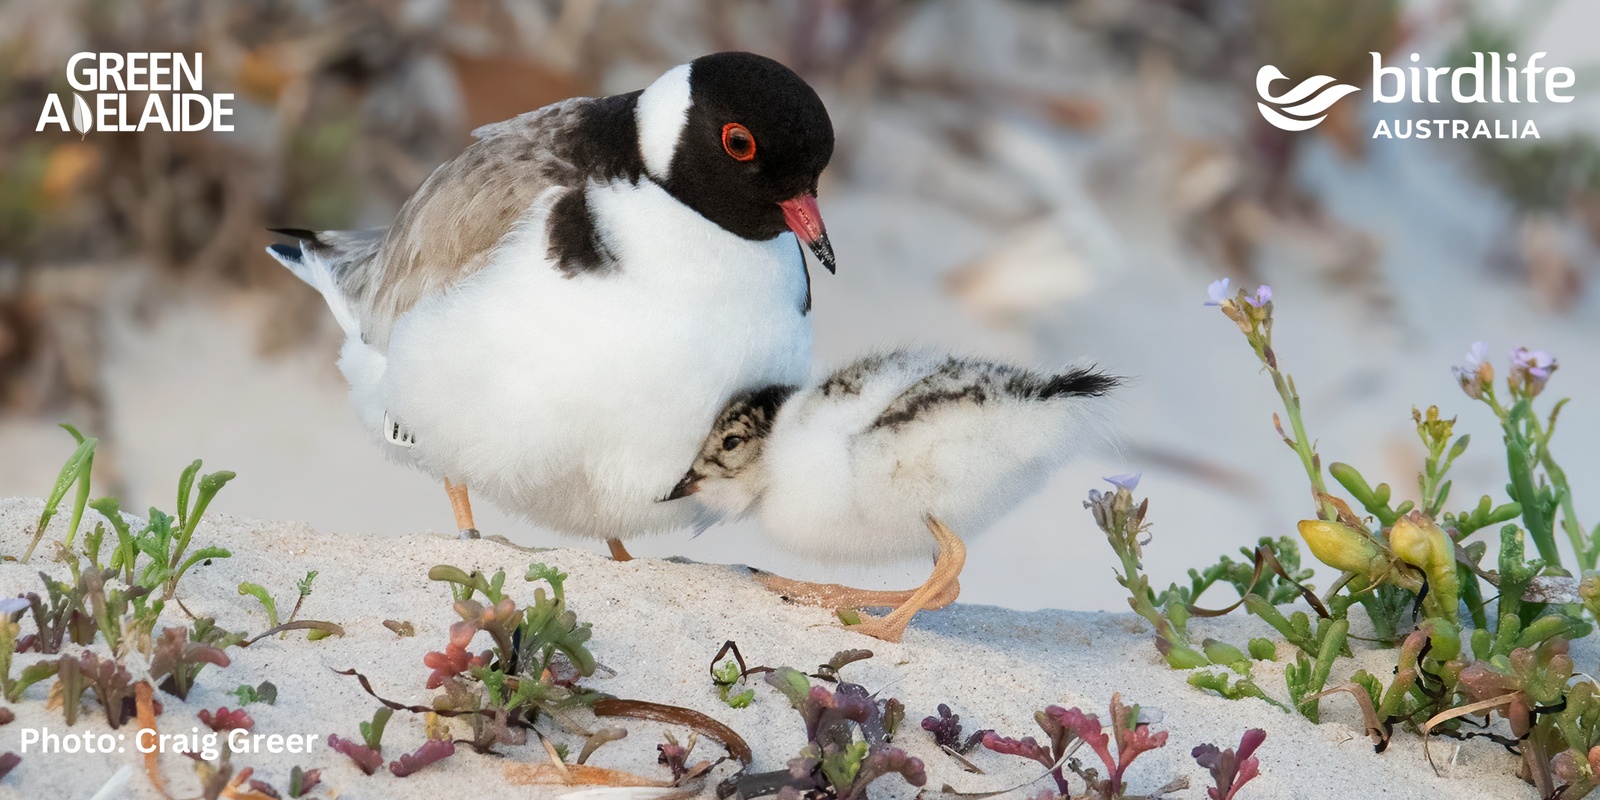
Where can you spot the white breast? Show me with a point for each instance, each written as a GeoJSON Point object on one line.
{"type": "Point", "coordinates": [579, 401]}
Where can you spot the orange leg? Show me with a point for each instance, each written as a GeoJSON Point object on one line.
{"type": "Point", "coordinates": [943, 581]}
{"type": "Point", "coordinates": [462, 508]}
{"type": "Point", "coordinates": [618, 551]}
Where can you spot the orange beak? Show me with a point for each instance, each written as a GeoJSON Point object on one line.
{"type": "Point", "coordinates": [805, 219]}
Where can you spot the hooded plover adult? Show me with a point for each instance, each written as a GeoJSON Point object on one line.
{"type": "Point", "coordinates": [557, 313]}
{"type": "Point", "coordinates": [862, 466]}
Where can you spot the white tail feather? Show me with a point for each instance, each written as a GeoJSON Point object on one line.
{"type": "Point", "coordinates": [317, 274]}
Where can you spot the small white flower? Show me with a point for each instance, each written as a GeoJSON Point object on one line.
{"type": "Point", "coordinates": [1218, 292]}
{"type": "Point", "coordinates": [1477, 373]}
{"type": "Point", "coordinates": [1129, 481]}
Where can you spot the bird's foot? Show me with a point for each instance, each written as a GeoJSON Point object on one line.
{"type": "Point", "coordinates": [469, 533]}
{"type": "Point", "coordinates": [833, 595]}
{"type": "Point", "coordinates": [938, 592]}
{"type": "Point", "coordinates": [889, 629]}
{"type": "Point", "coordinates": [941, 588]}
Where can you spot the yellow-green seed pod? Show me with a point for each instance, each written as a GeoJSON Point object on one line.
{"type": "Point", "coordinates": [1225, 654]}
{"type": "Point", "coordinates": [1410, 542]}
{"type": "Point", "coordinates": [1422, 544]}
{"type": "Point", "coordinates": [1180, 656]}
{"type": "Point", "coordinates": [1589, 592]}
{"type": "Point", "coordinates": [1445, 637]}
{"type": "Point", "coordinates": [1343, 547]}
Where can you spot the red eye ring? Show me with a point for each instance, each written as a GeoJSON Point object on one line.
{"type": "Point", "coordinates": [737, 142]}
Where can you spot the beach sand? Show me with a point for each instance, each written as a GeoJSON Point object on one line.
{"type": "Point", "coordinates": [657, 624]}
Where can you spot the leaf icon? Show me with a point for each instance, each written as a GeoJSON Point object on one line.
{"type": "Point", "coordinates": [80, 115]}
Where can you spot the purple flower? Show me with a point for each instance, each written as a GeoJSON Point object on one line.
{"type": "Point", "coordinates": [1530, 370]}
{"type": "Point", "coordinates": [1218, 292]}
{"type": "Point", "coordinates": [12, 605]}
{"type": "Point", "coordinates": [1129, 481]}
{"type": "Point", "coordinates": [1262, 296]}
{"type": "Point", "coordinates": [1538, 363]}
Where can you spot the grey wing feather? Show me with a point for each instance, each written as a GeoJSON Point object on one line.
{"type": "Point", "coordinates": [348, 254]}
{"type": "Point", "coordinates": [450, 226]}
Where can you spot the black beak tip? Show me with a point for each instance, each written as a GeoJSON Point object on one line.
{"type": "Point", "coordinates": [823, 250]}
{"type": "Point", "coordinates": [684, 488]}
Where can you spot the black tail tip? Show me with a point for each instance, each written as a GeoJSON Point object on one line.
{"type": "Point", "coordinates": [287, 252]}
{"type": "Point", "coordinates": [1082, 382]}
{"type": "Point", "coordinates": [298, 233]}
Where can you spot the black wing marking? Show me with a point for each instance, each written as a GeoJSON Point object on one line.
{"type": "Point", "coordinates": [958, 380]}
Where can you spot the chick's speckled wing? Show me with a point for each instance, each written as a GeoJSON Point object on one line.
{"type": "Point", "coordinates": [957, 381]}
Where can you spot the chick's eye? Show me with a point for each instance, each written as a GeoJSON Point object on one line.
{"type": "Point", "coordinates": [732, 442]}
{"type": "Point", "coordinates": [738, 142]}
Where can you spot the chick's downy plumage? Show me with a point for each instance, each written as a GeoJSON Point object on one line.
{"type": "Point", "coordinates": [849, 468]}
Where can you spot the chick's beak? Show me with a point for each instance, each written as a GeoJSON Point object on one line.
{"type": "Point", "coordinates": [687, 486]}
{"type": "Point", "coordinates": [805, 219]}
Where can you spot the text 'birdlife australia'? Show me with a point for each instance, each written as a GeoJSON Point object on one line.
{"type": "Point", "coordinates": [136, 92]}
{"type": "Point", "coordinates": [1510, 83]}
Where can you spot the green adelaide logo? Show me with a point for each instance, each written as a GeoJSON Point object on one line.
{"type": "Point", "coordinates": [133, 92]}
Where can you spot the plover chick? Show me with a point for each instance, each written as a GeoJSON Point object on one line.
{"type": "Point", "coordinates": [862, 466]}
{"type": "Point", "coordinates": [557, 313]}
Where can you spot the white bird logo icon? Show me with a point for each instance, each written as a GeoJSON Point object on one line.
{"type": "Point", "coordinates": [1302, 107]}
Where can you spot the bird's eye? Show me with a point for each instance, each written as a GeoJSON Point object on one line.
{"type": "Point", "coordinates": [736, 139]}
{"type": "Point", "coordinates": [732, 442]}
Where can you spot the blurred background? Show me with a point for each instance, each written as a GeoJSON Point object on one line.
{"type": "Point", "coordinates": [1047, 182]}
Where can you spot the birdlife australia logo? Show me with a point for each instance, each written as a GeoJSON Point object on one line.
{"type": "Point", "coordinates": [1491, 79]}
{"type": "Point", "coordinates": [135, 92]}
